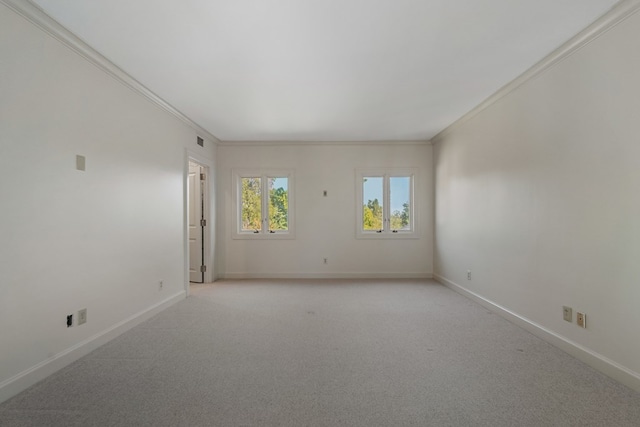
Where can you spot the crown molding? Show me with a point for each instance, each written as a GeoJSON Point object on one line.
{"type": "Point", "coordinates": [317, 143]}
{"type": "Point", "coordinates": [34, 14]}
{"type": "Point", "coordinates": [617, 14]}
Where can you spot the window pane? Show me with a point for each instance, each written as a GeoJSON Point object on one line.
{"type": "Point", "coordinates": [251, 204]}
{"type": "Point", "coordinates": [278, 203]}
{"type": "Point", "coordinates": [372, 204]}
{"type": "Point", "coordinates": [400, 202]}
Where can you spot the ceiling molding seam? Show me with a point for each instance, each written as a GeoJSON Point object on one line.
{"type": "Point", "coordinates": [617, 14]}
{"type": "Point", "coordinates": [318, 143]}
{"type": "Point", "coordinates": [39, 18]}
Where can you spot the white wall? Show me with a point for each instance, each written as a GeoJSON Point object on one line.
{"type": "Point", "coordinates": [325, 226]}
{"type": "Point", "coordinates": [100, 239]}
{"type": "Point", "coordinates": [538, 195]}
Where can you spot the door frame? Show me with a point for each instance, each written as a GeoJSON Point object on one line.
{"type": "Point", "coordinates": [197, 194]}
{"type": "Point", "coordinates": [209, 216]}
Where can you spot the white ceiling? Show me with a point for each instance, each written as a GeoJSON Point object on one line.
{"type": "Point", "coordinates": [324, 70]}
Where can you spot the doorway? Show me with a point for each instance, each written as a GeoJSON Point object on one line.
{"type": "Point", "coordinates": [198, 202]}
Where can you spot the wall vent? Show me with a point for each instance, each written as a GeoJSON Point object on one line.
{"type": "Point", "coordinates": [200, 142]}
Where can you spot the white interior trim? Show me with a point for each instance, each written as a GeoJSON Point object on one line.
{"type": "Point", "coordinates": [320, 143]}
{"type": "Point", "coordinates": [38, 17]}
{"type": "Point", "coordinates": [595, 360]}
{"type": "Point", "coordinates": [386, 174]}
{"type": "Point", "coordinates": [210, 229]}
{"type": "Point", "coordinates": [29, 377]}
{"type": "Point", "coordinates": [236, 275]}
{"type": "Point", "coordinates": [620, 12]}
{"type": "Point", "coordinates": [238, 174]}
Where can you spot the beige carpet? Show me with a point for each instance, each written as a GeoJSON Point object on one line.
{"type": "Point", "coordinates": [325, 353]}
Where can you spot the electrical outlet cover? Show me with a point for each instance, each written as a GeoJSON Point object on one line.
{"type": "Point", "coordinates": [567, 313]}
{"type": "Point", "coordinates": [581, 319]}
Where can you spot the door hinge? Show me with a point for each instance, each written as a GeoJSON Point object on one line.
{"type": "Point", "coordinates": [203, 223]}
{"type": "Point", "coordinates": [202, 177]}
{"type": "Point", "coordinates": [203, 268]}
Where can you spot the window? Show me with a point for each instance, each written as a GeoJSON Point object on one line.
{"type": "Point", "coordinates": [263, 204]}
{"type": "Point", "coordinates": [385, 203]}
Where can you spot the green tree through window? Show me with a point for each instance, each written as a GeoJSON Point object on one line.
{"type": "Point", "coordinates": [386, 199]}
{"type": "Point", "coordinates": [278, 206]}
{"type": "Point", "coordinates": [372, 215]}
{"type": "Point", "coordinates": [253, 204]}
{"type": "Point", "coordinates": [400, 219]}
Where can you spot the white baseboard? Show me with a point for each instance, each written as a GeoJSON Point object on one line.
{"type": "Point", "coordinates": [326, 276]}
{"type": "Point", "coordinates": [29, 377]}
{"type": "Point", "coordinates": [595, 360]}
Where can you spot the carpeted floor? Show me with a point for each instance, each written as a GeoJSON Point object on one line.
{"type": "Point", "coordinates": [325, 353]}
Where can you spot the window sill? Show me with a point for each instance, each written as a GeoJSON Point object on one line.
{"type": "Point", "coordinates": [264, 236]}
{"type": "Point", "coordinates": [385, 236]}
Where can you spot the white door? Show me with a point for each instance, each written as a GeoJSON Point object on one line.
{"type": "Point", "coordinates": [196, 223]}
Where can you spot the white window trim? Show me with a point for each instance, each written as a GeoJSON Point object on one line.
{"type": "Point", "coordinates": [237, 233]}
{"type": "Point", "coordinates": [386, 173]}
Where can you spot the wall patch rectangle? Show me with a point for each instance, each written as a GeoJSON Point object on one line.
{"type": "Point", "coordinates": [82, 316]}
{"type": "Point", "coordinates": [80, 163]}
